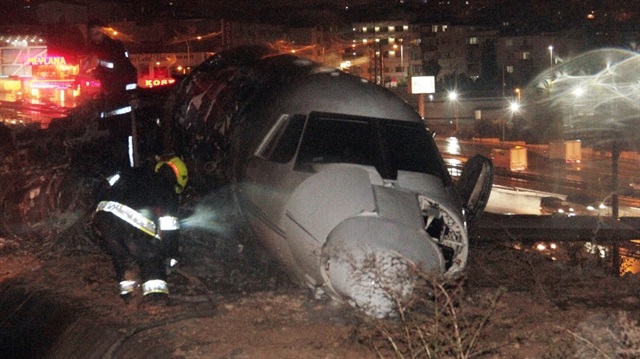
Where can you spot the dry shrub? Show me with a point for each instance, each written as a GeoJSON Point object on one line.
{"type": "Point", "coordinates": [437, 322]}
{"type": "Point", "coordinates": [600, 336]}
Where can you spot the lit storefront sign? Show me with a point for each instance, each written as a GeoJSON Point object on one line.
{"type": "Point", "coordinates": [36, 77]}
{"type": "Point", "coordinates": [52, 84]}
{"type": "Point", "coordinates": [90, 83]}
{"type": "Point", "coordinates": [46, 60]}
{"type": "Point", "coordinates": [149, 83]}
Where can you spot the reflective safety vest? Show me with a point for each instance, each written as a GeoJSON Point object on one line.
{"type": "Point", "coordinates": [136, 219]}
{"type": "Point", "coordinates": [107, 64]}
{"type": "Point", "coordinates": [116, 112]}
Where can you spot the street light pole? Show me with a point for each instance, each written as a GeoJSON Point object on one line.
{"type": "Point", "coordinates": [188, 56]}
{"type": "Point", "coordinates": [453, 96]}
{"type": "Point", "coordinates": [550, 56]}
{"type": "Point", "coordinates": [456, 113]}
{"type": "Point", "coordinates": [402, 57]}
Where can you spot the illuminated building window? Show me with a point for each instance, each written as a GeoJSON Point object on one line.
{"type": "Point", "coordinates": [473, 40]}
{"type": "Point", "coordinates": [509, 69]}
{"type": "Point", "coordinates": [526, 55]}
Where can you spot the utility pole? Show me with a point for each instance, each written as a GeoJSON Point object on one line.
{"type": "Point", "coordinates": [615, 156]}
{"type": "Point", "coordinates": [376, 66]}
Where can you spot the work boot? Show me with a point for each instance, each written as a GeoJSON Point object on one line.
{"type": "Point", "coordinates": [127, 288]}
{"type": "Point", "coordinates": [171, 265]}
{"type": "Point", "coordinates": [156, 292]}
{"type": "Point", "coordinates": [155, 286]}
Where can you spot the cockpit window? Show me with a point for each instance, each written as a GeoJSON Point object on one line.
{"type": "Point", "coordinates": [409, 148]}
{"type": "Point", "coordinates": [280, 145]}
{"type": "Point", "coordinates": [390, 146]}
{"type": "Point", "coordinates": [330, 140]}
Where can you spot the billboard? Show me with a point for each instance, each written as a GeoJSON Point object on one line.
{"type": "Point", "coordinates": [422, 84]}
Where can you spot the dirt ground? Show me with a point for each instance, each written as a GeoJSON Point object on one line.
{"type": "Point", "coordinates": [511, 304]}
{"type": "Point", "coordinates": [58, 297]}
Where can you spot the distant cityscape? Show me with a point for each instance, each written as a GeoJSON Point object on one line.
{"type": "Point", "coordinates": [490, 47]}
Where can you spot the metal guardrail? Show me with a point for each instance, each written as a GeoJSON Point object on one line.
{"type": "Point", "coordinates": [532, 228]}
{"type": "Point", "coordinates": [529, 177]}
{"type": "Point", "coordinates": [572, 184]}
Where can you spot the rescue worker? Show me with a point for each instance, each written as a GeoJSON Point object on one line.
{"type": "Point", "coordinates": [109, 62]}
{"type": "Point", "coordinates": [136, 220]}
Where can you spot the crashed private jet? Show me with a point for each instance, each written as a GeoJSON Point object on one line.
{"type": "Point", "coordinates": [338, 178]}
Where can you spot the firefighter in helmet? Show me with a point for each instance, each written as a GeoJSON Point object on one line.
{"type": "Point", "coordinates": [108, 61]}
{"type": "Point", "coordinates": [136, 221]}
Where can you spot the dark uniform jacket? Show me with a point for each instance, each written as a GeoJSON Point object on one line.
{"type": "Point", "coordinates": [153, 196]}
{"type": "Point", "coordinates": [115, 71]}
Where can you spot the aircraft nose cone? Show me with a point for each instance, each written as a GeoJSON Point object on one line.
{"type": "Point", "coordinates": [371, 262]}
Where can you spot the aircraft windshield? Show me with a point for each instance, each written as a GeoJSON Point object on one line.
{"type": "Point", "coordinates": [389, 146]}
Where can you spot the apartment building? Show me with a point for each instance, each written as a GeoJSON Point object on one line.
{"type": "Point", "coordinates": [387, 52]}
{"type": "Point", "coordinates": [458, 49]}
{"type": "Point", "coordinates": [522, 57]}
